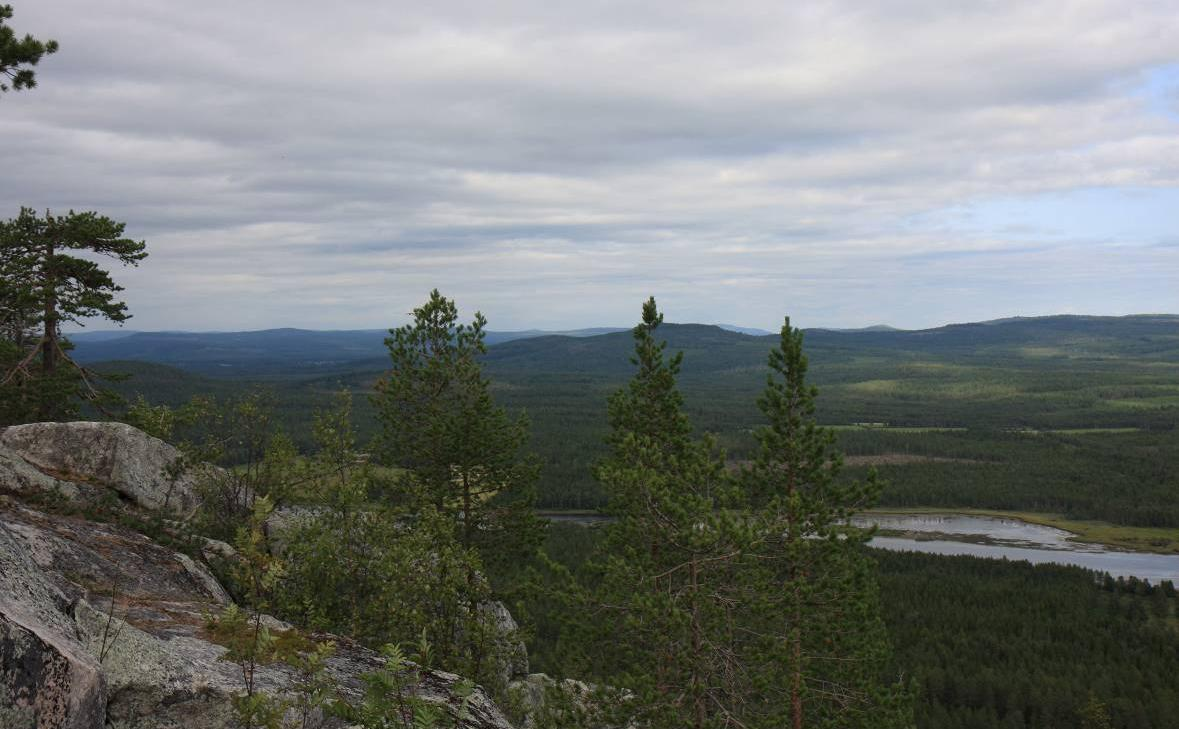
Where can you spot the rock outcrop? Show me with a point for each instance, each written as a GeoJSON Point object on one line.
{"type": "Point", "coordinates": [83, 455]}
{"type": "Point", "coordinates": [47, 677]}
{"type": "Point", "coordinates": [103, 628]}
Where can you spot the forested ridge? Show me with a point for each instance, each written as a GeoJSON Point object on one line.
{"type": "Point", "coordinates": [1068, 415]}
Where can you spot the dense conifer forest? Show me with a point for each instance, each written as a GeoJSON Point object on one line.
{"type": "Point", "coordinates": [994, 644]}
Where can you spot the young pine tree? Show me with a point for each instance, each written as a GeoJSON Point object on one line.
{"type": "Point", "coordinates": [461, 452]}
{"type": "Point", "coordinates": [661, 615]}
{"type": "Point", "coordinates": [819, 651]}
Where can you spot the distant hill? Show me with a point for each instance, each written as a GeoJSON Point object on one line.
{"type": "Point", "coordinates": [233, 353]}
{"type": "Point", "coordinates": [263, 352]}
{"type": "Point", "coordinates": [302, 352]}
{"type": "Point", "coordinates": [713, 349]}
{"type": "Point", "coordinates": [705, 346]}
{"type": "Point", "coordinates": [873, 328]}
{"type": "Point", "coordinates": [746, 330]}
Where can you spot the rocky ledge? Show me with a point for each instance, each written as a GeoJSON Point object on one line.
{"type": "Point", "coordinates": [103, 628]}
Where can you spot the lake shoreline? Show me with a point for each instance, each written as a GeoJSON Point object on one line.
{"type": "Point", "coordinates": [1115, 537]}
{"type": "Point", "coordinates": [1118, 537]}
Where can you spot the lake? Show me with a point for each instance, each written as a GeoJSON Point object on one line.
{"type": "Point", "coordinates": [982, 536]}
{"type": "Point", "coordinates": [998, 538]}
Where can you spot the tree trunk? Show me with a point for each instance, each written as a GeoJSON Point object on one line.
{"type": "Point", "coordinates": [697, 651]}
{"type": "Point", "coordinates": [796, 678]}
{"type": "Point", "coordinates": [49, 343]}
{"type": "Point", "coordinates": [468, 527]}
{"type": "Point", "coordinates": [792, 527]}
{"type": "Point", "coordinates": [47, 407]}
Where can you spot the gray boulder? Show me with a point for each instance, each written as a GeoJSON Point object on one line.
{"type": "Point", "coordinates": [18, 476]}
{"type": "Point", "coordinates": [80, 456]}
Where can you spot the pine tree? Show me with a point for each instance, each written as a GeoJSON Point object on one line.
{"type": "Point", "coordinates": [17, 52]}
{"type": "Point", "coordinates": [663, 625]}
{"type": "Point", "coordinates": [42, 286]}
{"type": "Point", "coordinates": [461, 452]}
{"type": "Point", "coordinates": [822, 654]}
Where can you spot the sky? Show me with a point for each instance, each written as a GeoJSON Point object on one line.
{"type": "Point", "coordinates": [553, 163]}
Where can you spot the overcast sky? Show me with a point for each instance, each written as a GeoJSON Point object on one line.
{"type": "Point", "coordinates": [552, 163]}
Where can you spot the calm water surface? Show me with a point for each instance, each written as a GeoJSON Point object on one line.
{"type": "Point", "coordinates": [982, 536]}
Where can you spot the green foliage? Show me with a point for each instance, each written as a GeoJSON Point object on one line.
{"type": "Point", "coordinates": [725, 602]}
{"type": "Point", "coordinates": [986, 380]}
{"type": "Point", "coordinates": [459, 451]}
{"type": "Point", "coordinates": [993, 644]}
{"type": "Point", "coordinates": [1121, 477]}
{"type": "Point", "coordinates": [29, 394]}
{"type": "Point", "coordinates": [250, 643]}
{"type": "Point", "coordinates": [42, 286]}
{"type": "Point", "coordinates": [381, 576]}
{"type": "Point", "coordinates": [256, 568]}
{"type": "Point", "coordinates": [240, 435]}
{"type": "Point", "coordinates": [996, 644]}
{"type": "Point", "coordinates": [381, 571]}
{"type": "Point", "coordinates": [391, 699]}
{"type": "Point", "coordinates": [1024, 437]}
{"type": "Point", "coordinates": [542, 703]}
{"type": "Point", "coordinates": [16, 53]}
{"type": "Point", "coordinates": [1095, 715]}
{"type": "Point", "coordinates": [661, 582]}
{"type": "Point", "coordinates": [158, 421]}
{"type": "Point", "coordinates": [353, 561]}
{"type": "Point", "coordinates": [811, 588]}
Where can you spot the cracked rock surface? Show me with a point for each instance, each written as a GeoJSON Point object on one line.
{"type": "Point", "coordinates": [103, 628]}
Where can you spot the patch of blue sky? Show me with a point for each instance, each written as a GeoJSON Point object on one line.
{"type": "Point", "coordinates": [1161, 90]}
{"type": "Point", "coordinates": [1123, 215]}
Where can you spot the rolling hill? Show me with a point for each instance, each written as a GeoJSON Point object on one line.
{"type": "Point", "coordinates": [302, 352]}
{"type": "Point", "coordinates": [1075, 415]}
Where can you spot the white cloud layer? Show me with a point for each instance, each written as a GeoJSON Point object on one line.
{"type": "Point", "coordinates": [296, 164]}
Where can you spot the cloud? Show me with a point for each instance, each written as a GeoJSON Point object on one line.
{"type": "Point", "coordinates": [554, 163]}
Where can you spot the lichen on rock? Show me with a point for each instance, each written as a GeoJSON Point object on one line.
{"type": "Point", "coordinates": [103, 628]}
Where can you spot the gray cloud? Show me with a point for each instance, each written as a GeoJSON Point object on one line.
{"type": "Point", "coordinates": [554, 163]}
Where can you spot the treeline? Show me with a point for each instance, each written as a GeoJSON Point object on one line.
{"type": "Point", "coordinates": [1126, 478]}
{"type": "Point", "coordinates": [1016, 439]}
{"type": "Point", "coordinates": [1122, 477]}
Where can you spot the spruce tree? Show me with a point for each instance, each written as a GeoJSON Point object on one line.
{"type": "Point", "coordinates": [821, 654]}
